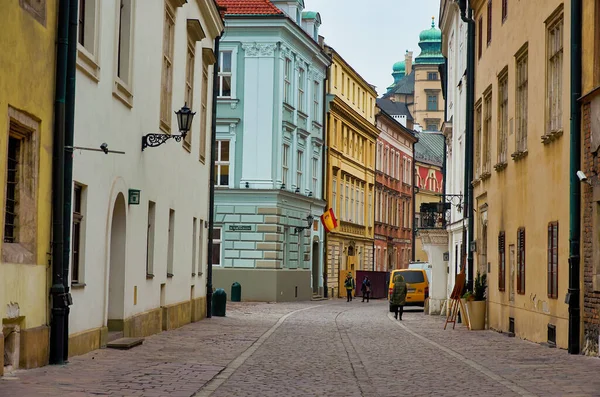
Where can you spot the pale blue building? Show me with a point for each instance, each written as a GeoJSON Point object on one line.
{"type": "Point", "coordinates": [270, 152]}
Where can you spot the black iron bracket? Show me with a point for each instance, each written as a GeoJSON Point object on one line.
{"type": "Point", "coordinates": [154, 140]}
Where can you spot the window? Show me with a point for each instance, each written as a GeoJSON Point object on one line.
{"type": "Point", "coordinates": [343, 202]}
{"type": "Point", "coordinates": [334, 140]}
{"type": "Point", "coordinates": [346, 206]}
{"type": "Point", "coordinates": [432, 127]}
{"type": "Point", "coordinates": [480, 37]}
{"type": "Point", "coordinates": [504, 10]}
{"type": "Point", "coordinates": [216, 246]}
{"type": "Point", "coordinates": [285, 165]}
{"type": "Point", "coordinates": [487, 131]}
{"type": "Point", "coordinates": [553, 260]}
{"type": "Point", "coordinates": [124, 41]}
{"type": "Point", "coordinates": [11, 211]}
{"type": "Point", "coordinates": [343, 85]}
{"type": "Point", "coordinates": [222, 164]}
{"type": "Point", "coordinates": [432, 76]}
{"type": "Point", "coordinates": [554, 75]}
{"type": "Point", "coordinates": [432, 102]}
{"type": "Point", "coordinates": [334, 195]}
{"type": "Point", "coordinates": [204, 110]}
{"type": "Point", "coordinates": [299, 169]}
{"type": "Point", "coordinates": [521, 99]}
{"type": "Point", "coordinates": [353, 92]}
{"type": "Point", "coordinates": [316, 109]}
{"type": "Point", "coordinates": [77, 243]}
{"type": "Point", "coordinates": [370, 208]}
{"type": "Point", "coordinates": [166, 92]}
{"type": "Point", "coordinates": [335, 76]}
{"type": "Point", "coordinates": [150, 238]}
{"type": "Point", "coordinates": [287, 85]}
{"type": "Point", "coordinates": [410, 171]}
{"type": "Point", "coordinates": [86, 28]}
{"type": "Point", "coordinates": [225, 74]}
{"type": "Point", "coordinates": [315, 176]}
{"type": "Point", "coordinates": [521, 261]}
{"type": "Point", "coordinates": [301, 81]}
{"type": "Point", "coordinates": [502, 117]}
{"type": "Point", "coordinates": [478, 139]}
{"type": "Point", "coordinates": [171, 243]}
{"type": "Point", "coordinates": [200, 248]}
{"type": "Point", "coordinates": [489, 22]}
{"type": "Point", "coordinates": [362, 206]}
{"type": "Point", "coordinates": [501, 261]}
{"type": "Point", "coordinates": [189, 85]}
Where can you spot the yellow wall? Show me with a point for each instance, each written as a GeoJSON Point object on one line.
{"type": "Point", "coordinates": [589, 48]}
{"type": "Point", "coordinates": [422, 85]}
{"type": "Point", "coordinates": [27, 62]}
{"type": "Point", "coordinates": [351, 137]}
{"type": "Point", "coordinates": [532, 191]}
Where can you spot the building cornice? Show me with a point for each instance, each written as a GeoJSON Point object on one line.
{"type": "Point", "coordinates": [210, 11]}
{"type": "Point", "coordinates": [337, 58]}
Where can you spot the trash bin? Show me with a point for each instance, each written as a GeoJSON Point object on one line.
{"type": "Point", "coordinates": [236, 292]}
{"type": "Point", "coordinates": [219, 302]}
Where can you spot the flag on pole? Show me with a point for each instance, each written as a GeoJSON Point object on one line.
{"type": "Point", "coordinates": [329, 220]}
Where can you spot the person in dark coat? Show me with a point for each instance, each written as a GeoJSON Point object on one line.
{"type": "Point", "coordinates": [350, 285]}
{"type": "Point", "coordinates": [398, 298]}
{"type": "Point", "coordinates": [366, 288]}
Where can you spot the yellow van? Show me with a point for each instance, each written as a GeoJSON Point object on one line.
{"type": "Point", "coordinates": [417, 284]}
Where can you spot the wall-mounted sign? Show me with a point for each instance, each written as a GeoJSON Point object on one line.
{"type": "Point", "coordinates": [134, 197]}
{"type": "Point", "coordinates": [240, 228]}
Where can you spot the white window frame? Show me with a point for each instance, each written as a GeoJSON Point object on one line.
{"type": "Point", "coordinates": [316, 102]}
{"type": "Point", "coordinates": [299, 170]}
{"type": "Point", "coordinates": [301, 90]}
{"type": "Point", "coordinates": [554, 74]}
{"type": "Point", "coordinates": [334, 195]}
{"type": "Point", "coordinates": [88, 55]}
{"type": "Point", "coordinates": [287, 80]}
{"type": "Point", "coordinates": [521, 106]}
{"type": "Point", "coordinates": [315, 176]}
{"type": "Point", "coordinates": [123, 87]}
{"type": "Point", "coordinates": [502, 118]}
{"type": "Point", "coordinates": [230, 74]}
{"type": "Point", "coordinates": [220, 163]}
{"type": "Point", "coordinates": [285, 165]}
{"type": "Point", "coordinates": [167, 73]}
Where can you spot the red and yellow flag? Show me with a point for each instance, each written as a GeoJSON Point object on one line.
{"type": "Point", "coordinates": [329, 220]}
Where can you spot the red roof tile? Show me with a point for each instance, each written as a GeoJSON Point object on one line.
{"type": "Point", "coordinates": [249, 7]}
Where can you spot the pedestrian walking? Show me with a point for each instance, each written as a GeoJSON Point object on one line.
{"type": "Point", "coordinates": [398, 298]}
{"type": "Point", "coordinates": [350, 285]}
{"type": "Point", "coordinates": [366, 288]}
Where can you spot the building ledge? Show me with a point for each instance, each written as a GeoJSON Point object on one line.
{"type": "Point", "coordinates": [551, 136]}
{"type": "Point", "coordinates": [501, 166]}
{"type": "Point", "coordinates": [519, 154]}
{"type": "Point", "coordinates": [485, 175]}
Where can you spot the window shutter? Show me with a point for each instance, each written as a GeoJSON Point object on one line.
{"type": "Point", "coordinates": [549, 261]}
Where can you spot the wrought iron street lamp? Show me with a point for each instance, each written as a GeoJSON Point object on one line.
{"type": "Point", "coordinates": [185, 116]}
{"type": "Point", "coordinates": [309, 220]}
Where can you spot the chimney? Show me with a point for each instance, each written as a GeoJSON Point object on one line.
{"type": "Point", "coordinates": [321, 41]}
{"type": "Point", "coordinates": [408, 61]}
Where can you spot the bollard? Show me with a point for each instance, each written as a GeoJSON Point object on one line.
{"type": "Point", "coordinates": [236, 292]}
{"type": "Point", "coordinates": [219, 302]}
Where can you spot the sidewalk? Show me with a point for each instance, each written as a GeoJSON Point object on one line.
{"type": "Point", "coordinates": [174, 363]}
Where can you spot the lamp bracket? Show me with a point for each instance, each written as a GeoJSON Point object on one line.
{"type": "Point", "coordinates": [154, 140]}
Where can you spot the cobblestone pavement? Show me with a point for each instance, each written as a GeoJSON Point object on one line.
{"type": "Point", "coordinates": [317, 349]}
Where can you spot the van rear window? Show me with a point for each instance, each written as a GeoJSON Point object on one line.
{"type": "Point", "coordinates": [413, 277]}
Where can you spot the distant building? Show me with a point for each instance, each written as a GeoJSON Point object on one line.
{"type": "Point", "coordinates": [393, 190]}
{"type": "Point", "coordinates": [269, 154]}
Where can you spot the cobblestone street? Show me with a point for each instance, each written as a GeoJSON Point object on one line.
{"type": "Point", "coordinates": [329, 348]}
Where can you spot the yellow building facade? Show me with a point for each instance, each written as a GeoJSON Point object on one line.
{"type": "Point", "coordinates": [521, 165]}
{"type": "Point", "coordinates": [27, 62]}
{"type": "Point", "coordinates": [350, 175]}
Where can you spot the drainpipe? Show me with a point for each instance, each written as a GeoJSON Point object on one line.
{"type": "Point", "coordinates": [468, 187]}
{"type": "Point", "coordinates": [573, 295]}
{"type": "Point", "coordinates": [211, 185]}
{"type": "Point", "coordinates": [324, 177]}
{"type": "Point", "coordinates": [57, 291]}
{"type": "Point", "coordinates": [443, 70]}
{"type": "Point", "coordinates": [68, 161]}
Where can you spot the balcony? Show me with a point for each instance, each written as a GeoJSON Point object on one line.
{"type": "Point", "coordinates": [352, 228]}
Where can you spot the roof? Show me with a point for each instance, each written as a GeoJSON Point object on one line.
{"type": "Point", "coordinates": [249, 7]}
{"type": "Point", "coordinates": [394, 108]}
{"type": "Point", "coordinates": [430, 148]}
{"type": "Point", "coordinates": [405, 86]}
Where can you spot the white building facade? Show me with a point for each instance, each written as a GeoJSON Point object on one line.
{"type": "Point", "coordinates": [140, 218]}
{"type": "Point", "coordinates": [454, 48]}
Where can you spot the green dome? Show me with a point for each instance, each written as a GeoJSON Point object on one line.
{"type": "Point", "coordinates": [432, 34]}
{"type": "Point", "coordinates": [399, 67]}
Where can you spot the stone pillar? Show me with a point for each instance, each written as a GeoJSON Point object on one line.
{"type": "Point", "coordinates": [435, 243]}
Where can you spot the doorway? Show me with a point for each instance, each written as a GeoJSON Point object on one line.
{"type": "Point", "coordinates": [116, 275]}
{"type": "Point", "coordinates": [315, 267]}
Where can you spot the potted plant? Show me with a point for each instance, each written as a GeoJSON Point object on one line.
{"type": "Point", "coordinates": [477, 306]}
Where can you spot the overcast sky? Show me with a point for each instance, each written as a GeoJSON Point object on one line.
{"type": "Point", "coordinates": [371, 35]}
